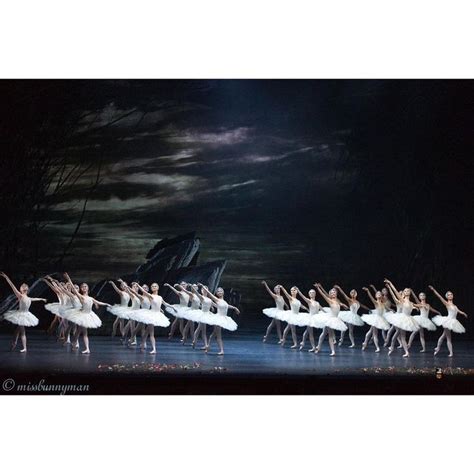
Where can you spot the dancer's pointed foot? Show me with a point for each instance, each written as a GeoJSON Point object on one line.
{"type": "Point", "coordinates": [422, 350]}
{"type": "Point", "coordinates": [400, 347]}
{"type": "Point", "coordinates": [390, 350]}
{"type": "Point", "coordinates": [24, 350]}
{"type": "Point", "coordinates": [351, 346]}
{"type": "Point", "coordinates": [436, 350]}
{"type": "Point", "coordinates": [264, 339]}
{"type": "Point", "coordinates": [364, 346]}
{"type": "Point", "coordinates": [377, 350]}
{"type": "Point", "coordinates": [340, 343]}
{"type": "Point", "coordinates": [152, 352]}
{"type": "Point", "coordinates": [312, 349]}
{"type": "Point", "coordinates": [332, 354]}
{"type": "Point", "coordinates": [86, 351]}
{"type": "Point", "coordinates": [407, 354]}
{"type": "Point", "coordinates": [450, 354]}
{"type": "Point", "coordinates": [301, 346]}
{"type": "Point", "coordinates": [221, 353]}
{"type": "Point", "coordinates": [317, 350]}
{"type": "Point", "coordinates": [12, 346]}
{"type": "Point", "coordinates": [294, 346]}
{"type": "Point", "coordinates": [206, 349]}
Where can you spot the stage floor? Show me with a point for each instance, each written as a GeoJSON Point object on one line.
{"type": "Point", "coordinates": [260, 367]}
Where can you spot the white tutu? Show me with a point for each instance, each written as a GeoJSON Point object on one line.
{"type": "Point", "coordinates": [274, 313]}
{"type": "Point", "coordinates": [119, 311]}
{"type": "Point", "coordinates": [193, 315]}
{"type": "Point", "coordinates": [206, 317]}
{"type": "Point", "coordinates": [391, 316]}
{"type": "Point", "coordinates": [453, 325]}
{"type": "Point", "coordinates": [335, 323]}
{"type": "Point", "coordinates": [351, 318]}
{"type": "Point", "coordinates": [88, 320]}
{"type": "Point", "coordinates": [424, 322]}
{"type": "Point", "coordinates": [318, 320]}
{"type": "Point", "coordinates": [21, 318]}
{"type": "Point", "coordinates": [53, 308]}
{"type": "Point", "coordinates": [438, 320]}
{"type": "Point", "coordinates": [373, 319]}
{"type": "Point", "coordinates": [180, 310]}
{"type": "Point", "coordinates": [406, 323]}
{"type": "Point", "coordinates": [147, 316]}
{"type": "Point", "coordinates": [292, 318]}
{"type": "Point", "coordinates": [223, 321]}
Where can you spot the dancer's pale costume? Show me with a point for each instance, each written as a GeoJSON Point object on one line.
{"type": "Point", "coordinates": [316, 319]}
{"type": "Point", "coordinates": [121, 309]}
{"type": "Point", "coordinates": [391, 316]}
{"type": "Point", "coordinates": [333, 321]}
{"type": "Point", "coordinates": [404, 320]}
{"type": "Point", "coordinates": [132, 311]}
{"type": "Point", "coordinates": [180, 308]}
{"type": "Point", "coordinates": [450, 322]}
{"type": "Point", "coordinates": [153, 315]}
{"type": "Point", "coordinates": [376, 319]}
{"type": "Point", "coordinates": [351, 316]}
{"type": "Point", "coordinates": [221, 319]}
{"type": "Point", "coordinates": [423, 320]}
{"type": "Point", "coordinates": [22, 315]}
{"type": "Point", "coordinates": [193, 313]}
{"type": "Point", "coordinates": [65, 311]}
{"type": "Point", "coordinates": [84, 317]}
{"type": "Point", "coordinates": [278, 312]}
{"type": "Point", "coordinates": [54, 308]}
{"type": "Point", "coordinates": [205, 316]}
{"type": "Point", "coordinates": [293, 315]}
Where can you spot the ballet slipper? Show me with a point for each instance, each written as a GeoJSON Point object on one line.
{"type": "Point", "coordinates": [390, 351]}
{"type": "Point", "coordinates": [86, 351]}
{"type": "Point", "coordinates": [364, 346]}
{"type": "Point", "coordinates": [351, 346]}
{"type": "Point", "coordinates": [23, 350]}
{"type": "Point", "coordinates": [221, 353]}
{"type": "Point", "coordinates": [301, 346]}
{"type": "Point", "coordinates": [340, 343]}
{"type": "Point", "coordinates": [264, 338]}
{"type": "Point", "coordinates": [450, 354]}
{"type": "Point", "coordinates": [406, 354]}
{"type": "Point", "coordinates": [436, 350]}
{"type": "Point", "coordinates": [312, 349]}
{"type": "Point", "coordinates": [152, 352]}
{"type": "Point", "coordinates": [332, 354]}
{"type": "Point", "coordinates": [12, 346]}
{"type": "Point", "coordinates": [377, 350]}
{"type": "Point", "coordinates": [422, 350]}
{"type": "Point", "coordinates": [294, 346]}
{"type": "Point", "coordinates": [400, 347]}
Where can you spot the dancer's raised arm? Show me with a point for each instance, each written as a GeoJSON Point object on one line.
{"type": "Point", "coordinates": [392, 286]}
{"type": "Point", "coordinates": [395, 296]}
{"type": "Point", "coordinates": [323, 293]}
{"type": "Point", "coordinates": [270, 292]}
{"type": "Point", "coordinates": [115, 287]}
{"type": "Point", "coordinates": [285, 292]}
{"type": "Point", "coordinates": [175, 291]}
{"type": "Point", "coordinates": [347, 298]}
{"type": "Point", "coordinates": [374, 301]}
{"type": "Point", "coordinates": [373, 287]}
{"type": "Point", "coordinates": [13, 287]}
{"type": "Point", "coordinates": [213, 298]}
{"type": "Point", "coordinates": [73, 288]}
{"type": "Point", "coordinates": [308, 301]}
{"type": "Point", "coordinates": [196, 293]}
{"type": "Point", "coordinates": [438, 295]}
{"type": "Point", "coordinates": [417, 301]}
{"type": "Point", "coordinates": [100, 303]}
{"type": "Point", "coordinates": [52, 286]}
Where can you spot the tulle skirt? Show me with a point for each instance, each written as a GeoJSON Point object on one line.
{"type": "Point", "coordinates": [373, 319]}
{"type": "Point", "coordinates": [351, 318]}
{"type": "Point", "coordinates": [391, 316]}
{"type": "Point", "coordinates": [406, 323]}
{"type": "Point", "coordinates": [425, 322]}
{"type": "Point", "coordinates": [292, 318]}
{"type": "Point", "coordinates": [119, 311]}
{"type": "Point", "coordinates": [180, 311]}
{"type": "Point", "coordinates": [206, 317]}
{"type": "Point", "coordinates": [318, 320]}
{"type": "Point", "coordinates": [83, 319]}
{"type": "Point", "coordinates": [449, 323]}
{"type": "Point", "coordinates": [21, 318]}
{"type": "Point", "coordinates": [333, 322]}
{"type": "Point", "coordinates": [147, 316]}
{"type": "Point", "coordinates": [62, 310]}
{"type": "Point", "coordinates": [274, 313]}
{"type": "Point", "coordinates": [224, 322]}
{"type": "Point", "coordinates": [53, 308]}
{"type": "Point", "coordinates": [193, 315]}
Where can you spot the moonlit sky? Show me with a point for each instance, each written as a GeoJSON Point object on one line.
{"type": "Point", "coordinates": [258, 169]}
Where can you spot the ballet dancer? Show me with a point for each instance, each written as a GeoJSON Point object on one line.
{"type": "Point", "coordinates": [205, 315]}
{"type": "Point", "coordinates": [449, 323]}
{"type": "Point", "coordinates": [375, 320]}
{"type": "Point", "coordinates": [333, 323]}
{"type": "Point", "coordinates": [130, 326]}
{"type": "Point", "coordinates": [274, 313]}
{"type": "Point", "coordinates": [53, 308]}
{"type": "Point", "coordinates": [180, 308]}
{"type": "Point", "coordinates": [75, 304]}
{"type": "Point", "coordinates": [423, 320]}
{"type": "Point", "coordinates": [388, 305]}
{"type": "Point", "coordinates": [220, 320]}
{"type": "Point", "coordinates": [315, 319]}
{"type": "Point", "coordinates": [351, 318]}
{"type": "Point", "coordinates": [404, 321]}
{"type": "Point", "coordinates": [120, 309]}
{"type": "Point", "coordinates": [151, 317]}
{"type": "Point", "coordinates": [292, 316]}
{"type": "Point", "coordinates": [85, 318]}
{"type": "Point", "coordinates": [192, 313]}
{"type": "Point", "coordinates": [21, 316]}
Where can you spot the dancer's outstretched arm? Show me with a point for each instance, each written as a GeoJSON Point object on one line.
{"type": "Point", "coordinates": [394, 296]}
{"type": "Point", "coordinates": [237, 310]}
{"type": "Point", "coordinates": [175, 291]}
{"type": "Point", "coordinates": [196, 293]}
{"type": "Point", "coordinates": [430, 308]}
{"type": "Point", "coordinates": [415, 297]}
{"type": "Point", "coordinates": [73, 289]}
{"type": "Point", "coordinates": [463, 313]}
{"type": "Point", "coordinates": [53, 288]}
{"type": "Point", "coordinates": [387, 281]}
{"type": "Point", "coordinates": [343, 294]}
{"type": "Point", "coordinates": [12, 286]}
{"type": "Point", "coordinates": [438, 295]}
{"type": "Point", "coordinates": [145, 293]}
{"type": "Point", "coordinates": [270, 292]}
{"type": "Point", "coordinates": [285, 293]}
{"type": "Point", "coordinates": [213, 298]}
{"type": "Point", "coordinates": [373, 287]}
{"type": "Point", "coordinates": [308, 301]}
{"type": "Point", "coordinates": [100, 303]}
{"type": "Point", "coordinates": [374, 301]}
{"type": "Point", "coordinates": [323, 293]}
{"type": "Point", "coordinates": [115, 287]}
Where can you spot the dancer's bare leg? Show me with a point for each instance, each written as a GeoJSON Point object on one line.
{"type": "Point", "coordinates": [323, 334]}
{"type": "Point", "coordinates": [384, 334]}
{"type": "Point", "coordinates": [332, 340]}
{"type": "Point", "coordinates": [173, 327]}
{"type": "Point", "coordinates": [285, 332]}
{"type": "Point", "coordinates": [23, 338]}
{"type": "Point", "coordinates": [15, 338]}
{"type": "Point", "coordinates": [351, 335]}
{"type": "Point", "coordinates": [375, 332]}
{"type": "Point", "coordinates": [293, 335]}
{"type": "Point", "coordinates": [440, 341]}
{"type": "Point", "coordinates": [151, 334]}
{"type": "Point", "coordinates": [341, 339]}
{"type": "Point", "coordinates": [412, 337]}
{"type": "Point", "coordinates": [85, 338]}
{"type": "Point", "coordinates": [208, 345]}
{"type": "Point", "coordinates": [220, 343]}
{"type": "Point", "coordinates": [404, 343]}
{"type": "Point", "coordinates": [394, 338]}
{"type": "Point", "coordinates": [388, 335]}
{"type": "Point", "coordinates": [181, 327]}
{"type": "Point", "coordinates": [449, 342]}
{"type": "Point", "coordinates": [368, 336]}
{"type": "Point", "coordinates": [269, 329]}
{"type": "Point", "coordinates": [77, 335]}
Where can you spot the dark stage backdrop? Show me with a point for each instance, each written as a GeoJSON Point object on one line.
{"type": "Point", "coordinates": [290, 181]}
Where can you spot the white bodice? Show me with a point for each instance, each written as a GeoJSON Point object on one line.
{"type": "Point", "coordinates": [424, 311]}
{"type": "Point", "coordinates": [407, 308]}
{"type": "Point", "coordinates": [24, 303]}
{"type": "Point", "coordinates": [206, 304]}
{"type": "Point", "coordinates": [314, 307]}
{"type": "Point", "coordinates": [195, 302]}
{"type": "Point", "coordinates": [354, 307]}
{"type": "Point", "coordinates": [124, 298]}
{"type": "Point", "coordinates": [183, 298]}
{"type": "Point", "coordinates": [380, 309]}
{"type": "Point", "coordinates": [334, 307]}
{"type": "Point", "coordinates": [399, 308]}
{"type": "Point", "coordinates": [145, 304]}
{"type": "Point", "coordinates": [452, 311]}
{"type": "Point", "coordinates": [280, 302]}
{"type": "Point", "coordinates": [295, 305]}
{"type": "Point", "coordinates": [135, 302]}
{"type": "Point", "coordinates": [156, 302]}
{"type": "Point", "coordinates": [76, 302]}
{"type": "Point", "coordinates": [222, 307]}
{"type": "Point", "coordinates": [87, 305]}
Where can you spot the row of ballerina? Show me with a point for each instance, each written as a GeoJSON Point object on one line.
{"type": "Point", "coordinates": [139, 311]}
{"type": "Point", "coordinates": [394, 325]}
